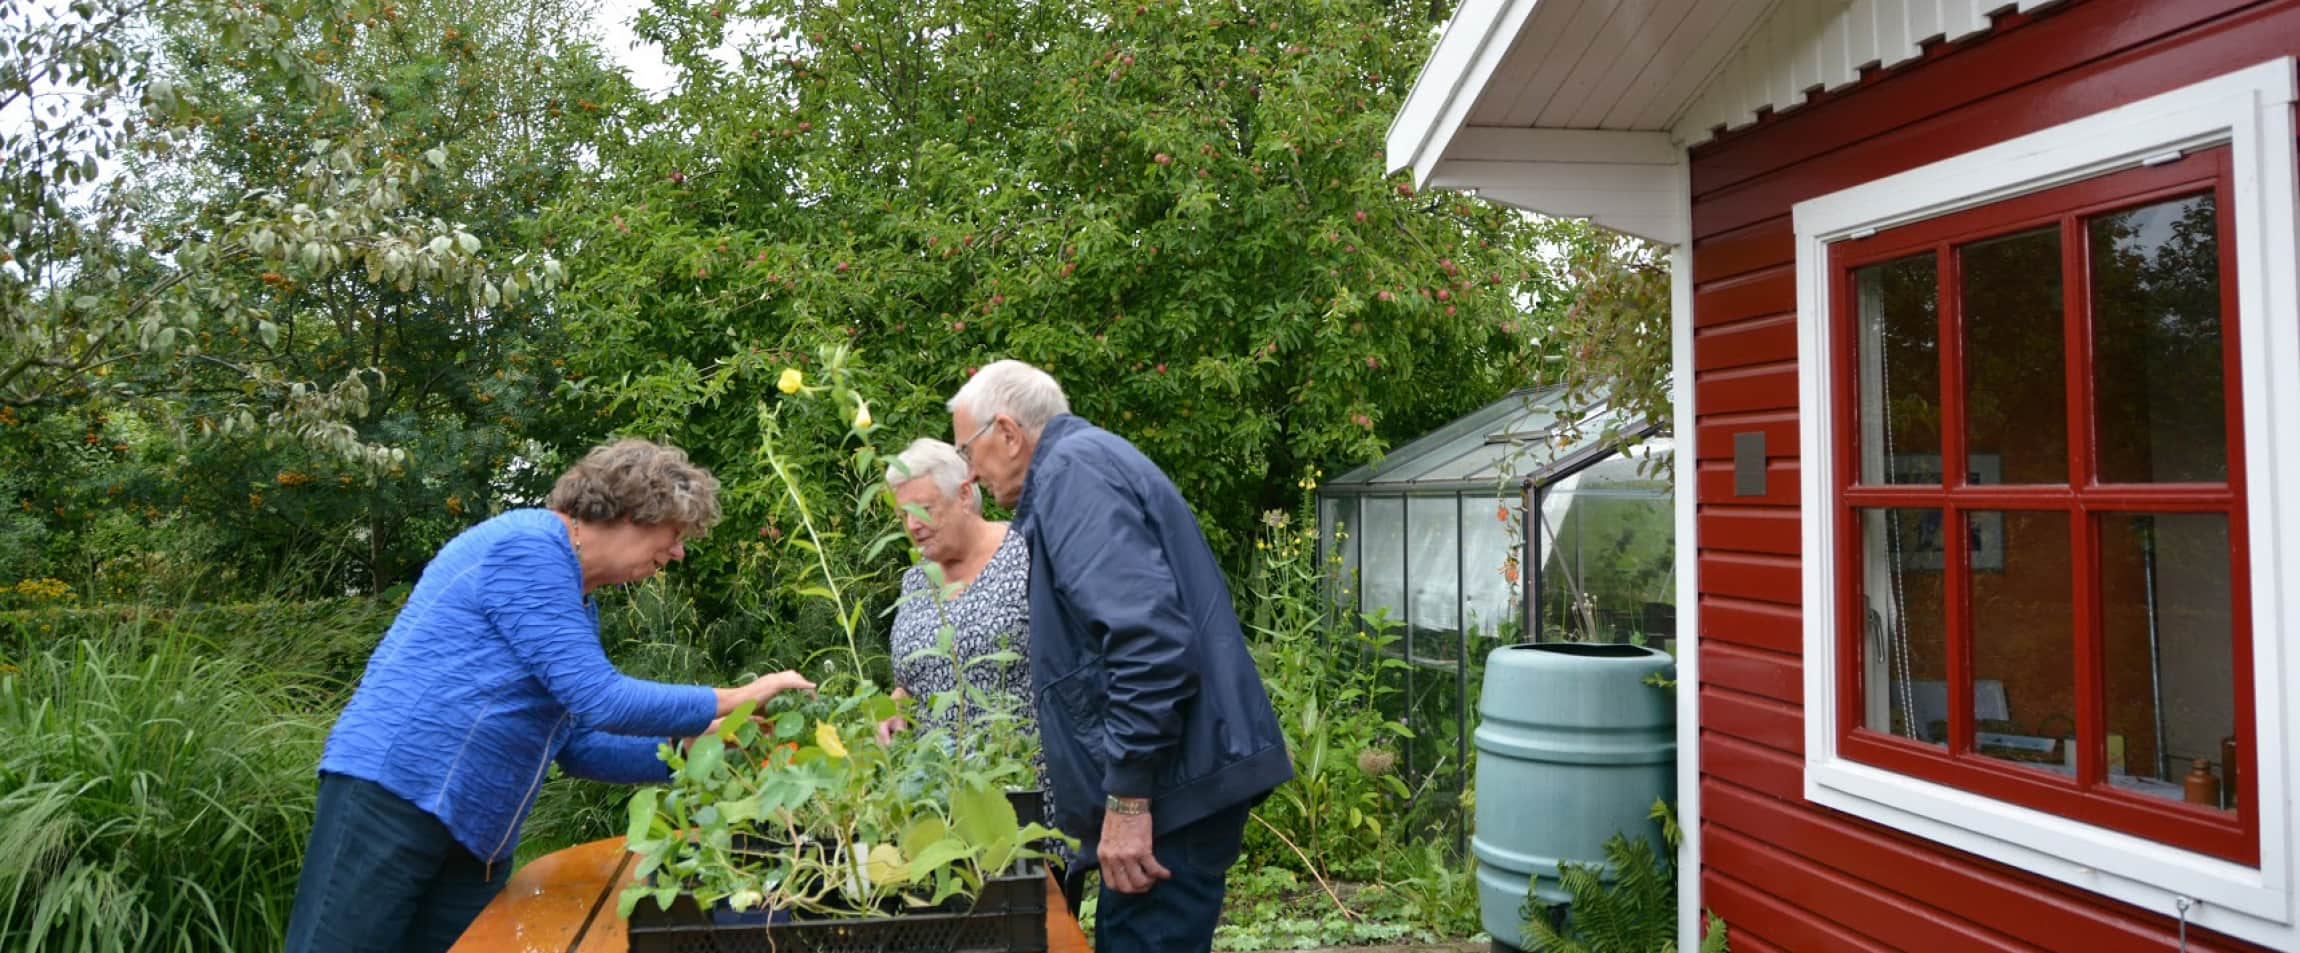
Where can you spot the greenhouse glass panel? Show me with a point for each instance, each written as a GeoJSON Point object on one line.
{"type": "Point", "coordinates": [1338, 550]}
{"type": "Point", "coordinates": [1433, 567]}
{"type": "Point", "coordinates": [1489, 567]}
{"type": "Point", "coordinates": [1382, 557]}
{"type": "Point", "coordinates": [1608, 552]}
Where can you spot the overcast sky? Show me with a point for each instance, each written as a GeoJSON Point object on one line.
{"type": "Point", "coordinates": [645, 64]}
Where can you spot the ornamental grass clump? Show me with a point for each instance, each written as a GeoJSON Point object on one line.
{"type": "Point", "coordinates": [151, 798]}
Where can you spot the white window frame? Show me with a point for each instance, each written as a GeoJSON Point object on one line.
{"type": "Point", "coordinates": [2251, 111]}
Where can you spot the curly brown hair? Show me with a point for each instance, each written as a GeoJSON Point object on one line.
{"type": "Point", "coordinates": [641, 481]}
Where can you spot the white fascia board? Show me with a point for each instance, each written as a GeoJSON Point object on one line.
{"type": "Point", "coordinates": [1637, 198]}
{"type": "Point", "coordinates": [1474, 43]}
{"type": "Point", "coordinates": [1591, 146]}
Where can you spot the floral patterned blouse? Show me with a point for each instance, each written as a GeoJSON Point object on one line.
{"type": "Point", "coordinates": [989, 615]}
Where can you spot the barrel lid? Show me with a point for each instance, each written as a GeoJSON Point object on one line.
{"type": "Point", "coordinates": [1593, 650]}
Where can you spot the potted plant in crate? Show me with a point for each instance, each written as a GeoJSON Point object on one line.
{"type": "Point", "coordinates": [803, 822]}
{"type": "Point", "coordinates": [797, 829]}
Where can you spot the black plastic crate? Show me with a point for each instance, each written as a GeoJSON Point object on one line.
{"type": "Point", "coordinates": [1008, 917]}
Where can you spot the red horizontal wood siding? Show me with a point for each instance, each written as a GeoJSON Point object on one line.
{"type": "Point", "coordinates": [1788, 875]}
{"type": "Point", "coordinates": [1752, 529]}
{"type": "Point", "coordinates": [1775, 675]}
{"type": "Point", "coordinates": [1713, 439]}
{"type": "Point", "coordinates": [1742, 343]}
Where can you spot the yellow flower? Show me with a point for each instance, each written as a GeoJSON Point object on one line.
{"type": "Point", "coordinates": [791, 381]}
{"type": "Point", "coordinates": [862, 417]}
{"type": "Point", "coordinates": [827, 738]}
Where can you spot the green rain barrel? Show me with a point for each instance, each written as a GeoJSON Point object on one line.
{"type": "Point", "coordinates": [1572, 748]}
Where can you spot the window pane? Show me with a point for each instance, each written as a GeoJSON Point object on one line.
{"type": "Point", "coordinates": [2024, 670]}
{"type": "Point", "coordinates": [2156, 361]}
{"type": "Point", "coordinates": [1900, 411]}
{"type": "Point", "coordinates": [1905, 641]}
{"type": "Point", "coordinates": [1382, 556]}
{"type": "Point", "coordinates": [1489, 552]}
{"type": "Point", "coordinates": [1338, 529]}
{"type": "Point", "coordinates": [2169, 666]}
{"type": "Point", "coordinates": [1434, 564]}
{"type": "Point", "coordinates": [2016, 365]}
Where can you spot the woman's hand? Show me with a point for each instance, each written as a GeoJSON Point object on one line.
{"type": "Point", "coordinates": [887, 729]}
{"type": "Point", "coordinates": [761, 689]}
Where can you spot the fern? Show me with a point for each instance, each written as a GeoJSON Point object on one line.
{"type": "Point", "coordinates": [1635, 913]}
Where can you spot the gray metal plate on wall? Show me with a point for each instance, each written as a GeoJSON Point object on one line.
{"type": "Point", "coordinates": [1749, 463]}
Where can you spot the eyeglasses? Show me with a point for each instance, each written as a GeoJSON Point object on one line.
{"type": "Point", "coordinates": [963, 445]}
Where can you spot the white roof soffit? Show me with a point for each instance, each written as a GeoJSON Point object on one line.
{"type": "Point", "coordinates": [1582, 107]}
{"type": "Point", "coordinates": [1565, 106]}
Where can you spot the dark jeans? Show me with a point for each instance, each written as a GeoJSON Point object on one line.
{"type": "Point", "coordinates": [383, 875]}
{"type": "Point", "coordinates": [1178, 914]}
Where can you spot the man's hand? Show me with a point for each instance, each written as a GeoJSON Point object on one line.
{"type": "Point", "coordinates": [1124, 854]}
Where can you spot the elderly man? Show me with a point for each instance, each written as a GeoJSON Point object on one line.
{"type": "Point", "coordinates": [1158, 735]}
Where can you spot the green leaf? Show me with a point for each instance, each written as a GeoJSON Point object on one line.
{"type": "Point", "coordinates": [642, 813]}
{"type": "Point", "coordinates": [705, 758]}
{"type": "Point", "coordinates": [886, 865]}
{"type": "Point", "coordinates": [735, 719]}
{"type": "Point", "coordinates": [982, 816]}
{"type": "Point", "coordinates": [922, 832]}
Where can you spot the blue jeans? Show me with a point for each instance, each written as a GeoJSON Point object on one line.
{"type": "Point", "coordinates": [1177, 914]}
{"type": "Point", "coordinates": [385, 876]}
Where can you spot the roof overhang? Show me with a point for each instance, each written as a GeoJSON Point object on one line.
{"type": "Point", "coordinates": [1583, 108]}
{"type": "Point", "coordinates": [1567, 107]}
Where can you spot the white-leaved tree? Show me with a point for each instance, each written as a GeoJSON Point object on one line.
{"type": "Point", "coordinates": [104, 294]}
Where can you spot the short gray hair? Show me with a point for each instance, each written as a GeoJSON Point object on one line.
{"type": "Point", "coordinates": [644, 482]}
{"type": "Point", "coordinates": [1024, 393]}
{"type": "Point", "coordinates": [928, 458]}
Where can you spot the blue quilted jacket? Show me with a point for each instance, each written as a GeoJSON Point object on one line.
{"type": "Point", "coordinates": [492, 670]}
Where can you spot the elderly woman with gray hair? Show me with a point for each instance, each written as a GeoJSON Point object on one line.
{"type": "Point", "coordinates": [492, 672]}
{"type": "Point", "coordinates": [984, 576]}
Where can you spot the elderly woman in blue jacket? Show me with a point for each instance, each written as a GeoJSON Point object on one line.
{"type": "Point", "coordinates": [492, 671]}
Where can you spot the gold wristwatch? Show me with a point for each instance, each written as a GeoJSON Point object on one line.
{"type": "Point", "coordinates": [1128, 806]}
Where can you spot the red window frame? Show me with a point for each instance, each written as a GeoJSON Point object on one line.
{"type": "Point", "coordinates": [2087, 797]}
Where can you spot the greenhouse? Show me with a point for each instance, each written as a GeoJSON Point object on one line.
{"type": "Point", "coordinates": [1433, 538]}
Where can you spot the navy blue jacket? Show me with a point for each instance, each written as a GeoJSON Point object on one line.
{"type": "Point", "coordinates": [1145, 687]}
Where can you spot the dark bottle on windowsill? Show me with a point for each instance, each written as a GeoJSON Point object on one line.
{"type": "Point", "coordinates": [2228, 787]}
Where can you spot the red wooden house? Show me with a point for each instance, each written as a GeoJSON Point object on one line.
{"type": "Point", "coordinates": [1988, 340]}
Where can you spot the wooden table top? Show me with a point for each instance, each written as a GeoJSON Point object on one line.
{"type": "Point", "coordinates": [564, 902]}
